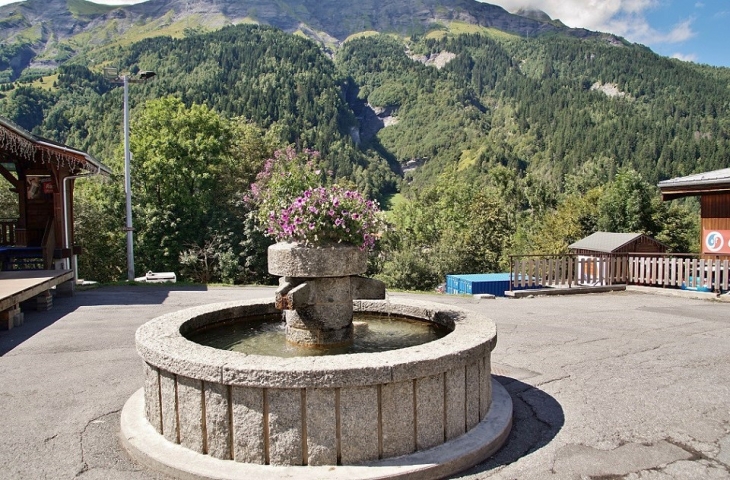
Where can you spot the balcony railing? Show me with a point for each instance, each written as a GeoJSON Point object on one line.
{"type": "Point", "coordinates": [7, 231]}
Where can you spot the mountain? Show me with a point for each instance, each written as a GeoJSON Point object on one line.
{"type": "Point", "coordinates": [38, 35]}
{"type": "Point", "coordinates": [514, 140]}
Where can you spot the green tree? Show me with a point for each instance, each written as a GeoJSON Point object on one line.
{"type": "Point", "coordinates": [181, 159]}
{"type": "Point", "coordinates": [628, 205]}
{"type": "Point", "coordinates": [452, 227]}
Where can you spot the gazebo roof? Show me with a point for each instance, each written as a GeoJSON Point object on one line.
{"type": "Point", "coordinates": [23, 145]}
{"type": "Point", "coordinates": [605, 242]}
{"type": "Point", "coordinates": [696, 184]}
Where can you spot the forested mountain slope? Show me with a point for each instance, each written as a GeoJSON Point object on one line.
{"type": "Point", "coordinates": [547, 106]}
{"type": "Point", "coordinates": [38, 35]}
{"type": "Point", "coordinates": [494, 135]}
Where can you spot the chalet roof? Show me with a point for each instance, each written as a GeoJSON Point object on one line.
{"type": "Point", "coordinates": [696, 184]}
{"type": "Point", "coordinates": [26, 145]}
{"type": "Point", "coordinates": [605, 242]}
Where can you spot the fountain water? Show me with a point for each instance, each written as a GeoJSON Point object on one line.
{"type": "Point", "coordinates": [425, 411]}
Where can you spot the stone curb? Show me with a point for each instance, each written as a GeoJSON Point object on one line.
{"type": "Point", "coordinates": [148, 447]}
{"type": "Point", "coordinates": [673, 292]}
{"type": "Point", "coordinates": [563, 291]}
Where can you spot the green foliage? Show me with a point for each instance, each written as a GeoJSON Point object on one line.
{"type": "Point", "coordinates": [451, 227]}
{"type": "Point", "coordinates": [8, 201]}
{"type": "Point", "coordinates": [180, 157]}
{"type": "Point", "coordinates": [214, 261]}
{"type": "Point", "coordinates": [628, 205]}
{"type": "Point", "coordinates": [680, 226]}
{"type": "Point", "coordinates": [190, 168]}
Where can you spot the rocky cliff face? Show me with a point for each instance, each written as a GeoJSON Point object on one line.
{"type": "Point", "coordinates": [69, 26]}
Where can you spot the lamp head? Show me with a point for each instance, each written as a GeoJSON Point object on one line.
{"type": "Point", "coordinates": [146, 74]}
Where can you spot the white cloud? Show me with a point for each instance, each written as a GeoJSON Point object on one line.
{"type": "Point", "coordinates": [685, 57]}
{"type": "Point", "coordinates": [621, 17]}
{"type": "Point", "coordinates": [637, 29]}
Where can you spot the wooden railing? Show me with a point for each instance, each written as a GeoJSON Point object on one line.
{"type": "Point", "coordinates": [661, 270]}
{"type": "Point", "coordinates": [7, 231]}
{"type": "Point", "coordinates": [680, 270]}
{"type": "Point", "coordinates": [567, 270]}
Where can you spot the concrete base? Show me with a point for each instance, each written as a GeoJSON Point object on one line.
{"type": "Point", "coordinates": [10, 318]}
{"type": "Point", "coordinates": [676, 292]}
{"type": "Point", "coordinates": [43, 301]}
{"type": "Point", "coordinates": [66, 289]}
{"type": "Point", "coordinates": [150, 448]}
{"type": "Point", "coordinates": [563, 291]}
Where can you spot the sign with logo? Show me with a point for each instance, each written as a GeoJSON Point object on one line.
{"type": "Point", "coordinates": [716, 241]}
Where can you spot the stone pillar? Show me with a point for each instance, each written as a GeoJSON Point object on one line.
{"type": "Point", "coordinates": [316, 290]}
{"type": "Point", "coordinates": [325, 317]}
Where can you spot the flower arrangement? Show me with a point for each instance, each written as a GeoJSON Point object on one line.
{"type": "Point", "coordinates": [327, 214]}
{"type": "Point", "coordinates": [282, 178]}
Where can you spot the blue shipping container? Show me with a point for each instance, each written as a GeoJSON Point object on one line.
{"type": "Point", "coordinates": [474, 284]}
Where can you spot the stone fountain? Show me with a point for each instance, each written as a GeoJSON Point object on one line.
{"type": "Point", "coordinates": [425, 411]}
{"type": "Point", "coordinates": [316, 290]}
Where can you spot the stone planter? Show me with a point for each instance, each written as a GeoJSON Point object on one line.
{"type": "Point", "coordinates": [334, 260]}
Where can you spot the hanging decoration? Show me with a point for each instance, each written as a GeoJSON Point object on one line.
{"type": "Point", "coordinates": [59, 156]}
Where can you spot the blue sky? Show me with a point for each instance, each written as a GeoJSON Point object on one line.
{"type": "Point", "coordinates": [691, 30]}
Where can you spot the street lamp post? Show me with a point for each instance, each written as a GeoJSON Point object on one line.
{"type": "Point", "coordinates": [126, 80]}
{"type": "Point", "coordinates": [128, 184]}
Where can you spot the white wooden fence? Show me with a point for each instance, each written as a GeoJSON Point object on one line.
{"type": "Point", "coordinates": [661, 270]}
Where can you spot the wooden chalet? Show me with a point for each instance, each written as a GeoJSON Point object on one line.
{"type": "Point", "coordinates": [713, 188]}
{"type": "Point", "coordinates": [42, 173]}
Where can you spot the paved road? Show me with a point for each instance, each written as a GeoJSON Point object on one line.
{"type": "Point", "coordinates": [605, 386]}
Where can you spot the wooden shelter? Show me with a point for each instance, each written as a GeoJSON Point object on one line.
{"type": "Point", "coordinates": [602, 255]}
{"type": "Point", "coordinates": [606, 243]}
{"type": "Point", "coordinates": [713, 188]}
{"type": "Point", "coordinates": [42, 173]}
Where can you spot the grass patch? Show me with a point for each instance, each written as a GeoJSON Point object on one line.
{"type": "Point", "coordinates": [47, 82]}
{"type": "Point", "coordinates": [31, 35]}
{"type": "Point", "coordinates": [365, 34]}
{"type": "Point", "coordinates": [84, 8]}
{"type": "Point", "coordinates": [463, 28]}
{"type": "Point", "coordinates": [468, 159]}
{"type": "Point", "coordinates": [391, 201]}
{"type": "Point", "coordinates": [437, 34]}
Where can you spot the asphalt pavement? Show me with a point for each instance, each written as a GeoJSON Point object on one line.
{"type": "Point", "coordinates": [605, 386]}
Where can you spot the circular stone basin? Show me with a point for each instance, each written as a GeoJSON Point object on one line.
{"type": "Point", "coordinates": [266, 335]}
{"type": "Point", "coordinates": [332, 410]}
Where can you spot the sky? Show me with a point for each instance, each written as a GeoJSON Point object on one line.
{"type": "Point", "coordinates": [690, 30]}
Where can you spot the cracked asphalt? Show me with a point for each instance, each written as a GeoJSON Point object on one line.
{"type": "Point", "coordinates": [619, 385]}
